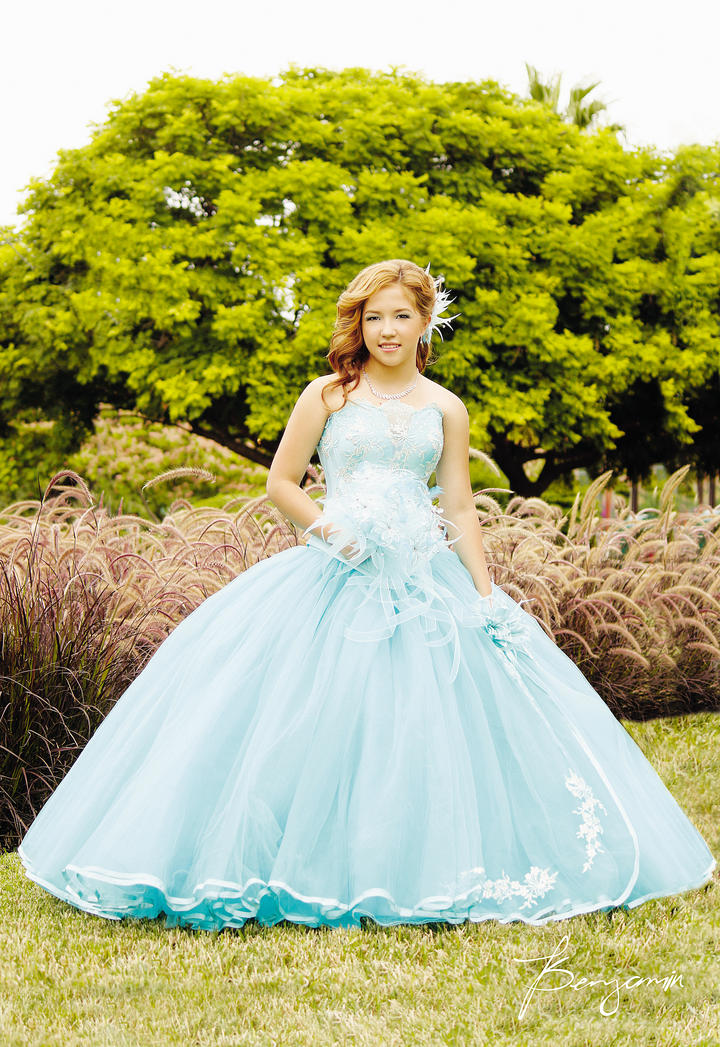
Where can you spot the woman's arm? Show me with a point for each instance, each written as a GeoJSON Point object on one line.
{"type": "Point", "coordinates": [302, 432]}
{"type": "Point", "coordinates": [456, 499]}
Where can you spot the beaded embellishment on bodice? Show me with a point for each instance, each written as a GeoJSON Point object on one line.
{"type": "Point", "coordinates": [393, 435]}
{"type": "Point", "coordinates": [377, 460]}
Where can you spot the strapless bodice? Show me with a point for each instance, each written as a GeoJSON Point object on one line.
{"type": "Point", "coordinates": [377, 460]}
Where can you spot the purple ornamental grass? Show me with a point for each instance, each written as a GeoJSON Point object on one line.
{"type": "Point", "coordinates": [85, 600]}
{"type": "Point", "coordinates": [87, 597]}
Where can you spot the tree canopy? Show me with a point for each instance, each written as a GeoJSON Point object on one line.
{"type": "Point", "coordinates": [186, 263]}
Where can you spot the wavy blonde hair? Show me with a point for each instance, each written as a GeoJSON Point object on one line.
{"type": "Point", "coordinates": [348, 351]}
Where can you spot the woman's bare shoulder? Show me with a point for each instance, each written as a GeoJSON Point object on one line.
{"type": "Point", "coordinates": [311, 406]}
{"type": "Point", "coordinates": [450, 404]}
{"type": "Point", "coordinates": [324, 380]}
{"type": "Point", "coordinates": [333, 397]}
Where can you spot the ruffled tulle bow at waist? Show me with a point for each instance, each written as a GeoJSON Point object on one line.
{"type": "Point", "coordinates": [385, 533]}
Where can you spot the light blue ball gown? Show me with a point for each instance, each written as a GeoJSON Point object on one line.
{"type": "Point", "coordinates": [335, 736]}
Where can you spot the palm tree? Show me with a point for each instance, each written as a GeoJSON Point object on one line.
{"type": "Point", "coordinates": [549, 93]}
{"type": "Point", "coordinates": [576, 112]}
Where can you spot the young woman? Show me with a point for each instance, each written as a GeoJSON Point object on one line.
{"type": "Point", "coordinates": [365, 724]}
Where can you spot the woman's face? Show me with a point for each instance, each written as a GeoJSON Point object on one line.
{"type": "Point", "coordinates": [391, 325]}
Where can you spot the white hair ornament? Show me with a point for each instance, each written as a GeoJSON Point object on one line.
{"type": "Point", "coordinates": [442, 301]}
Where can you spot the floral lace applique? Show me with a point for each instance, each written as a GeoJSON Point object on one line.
{"type": "Point", "coordinates": [377, 461]}
{"type": "Point", "coordinates": [342, 447]}
{"type": "Point", "coordinates": [395, 435]}
{"type": "Point", "coordinates": [591, 828]}
{"type": "Point", "coordinates": [536, 883]}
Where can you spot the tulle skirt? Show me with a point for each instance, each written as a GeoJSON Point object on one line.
{"type": "Point", "coordinates": [269, 763]}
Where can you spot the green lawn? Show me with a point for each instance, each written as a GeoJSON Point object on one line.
{"type": "Point", "coordinates": [69, 978]}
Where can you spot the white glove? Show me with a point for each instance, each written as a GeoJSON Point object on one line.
{"type": "Point", "coordinates": [340, 540]}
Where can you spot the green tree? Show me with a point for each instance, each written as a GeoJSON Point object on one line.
{"type": "Point", "coordinates": [186, 262]}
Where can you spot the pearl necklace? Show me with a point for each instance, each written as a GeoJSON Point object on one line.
{"type": "Point", "coordinates": [390, 396]}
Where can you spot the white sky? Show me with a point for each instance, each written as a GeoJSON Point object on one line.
{"type": "Point", "coordinates": [64, 60]}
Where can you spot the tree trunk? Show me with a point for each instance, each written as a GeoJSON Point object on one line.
{"type": "Point", "coordinates": [506, 456]}
{"type": "Point", "coordinates": [245, 448]}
